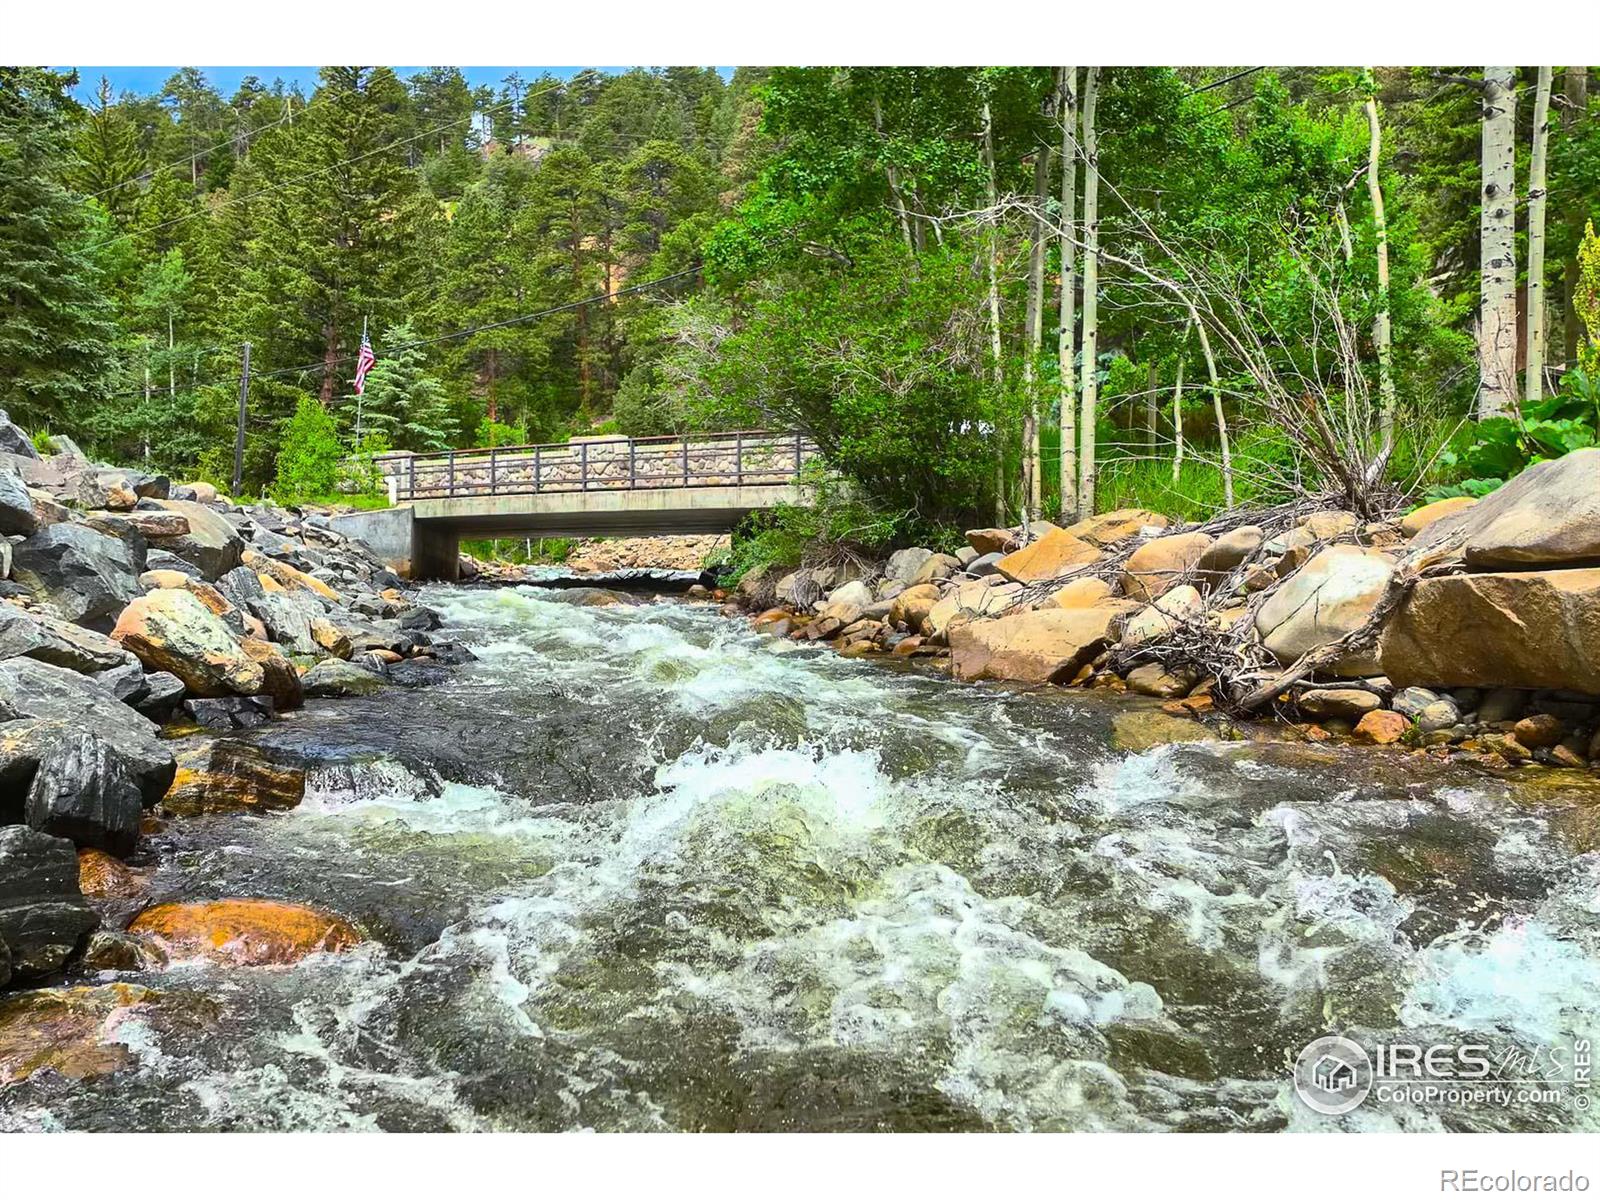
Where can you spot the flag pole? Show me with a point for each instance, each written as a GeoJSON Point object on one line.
{"type": "Point", "coordinates": [360, 390]}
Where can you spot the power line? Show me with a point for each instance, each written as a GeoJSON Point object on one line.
{"type": "Point", "coordinates": [1216, 83]}
{"type": "Point", "coordinates": [517, 320]}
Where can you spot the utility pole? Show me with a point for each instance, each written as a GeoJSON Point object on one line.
{"type": "Point", "coordinates": [238, 440]}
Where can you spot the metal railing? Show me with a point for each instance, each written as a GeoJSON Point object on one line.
{"type": "Point", "coordinates": [736, 459]}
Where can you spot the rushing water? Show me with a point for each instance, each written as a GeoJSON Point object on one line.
{"type": "Point", "coordinates": [639, 868]}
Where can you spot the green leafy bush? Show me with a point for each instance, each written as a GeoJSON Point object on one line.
{"type": "Point", "coordinates": [1497, 448]}
{"type": "Point", "coordinates": [308, 463]}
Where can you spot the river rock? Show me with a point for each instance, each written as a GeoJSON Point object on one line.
{"type": "Point", "coordinates": [228, 775]}
{"type": "Point", "coordinates": [1041, 646]}
{"type": "Point", "coordinates": [43, 932]}
{"type": "Point", "coordinates": [1079, 593]}
{"type": "Point", "coordinates": [1441, 714]}
{"type": "Point", "coordinates": [1539, 731]}
{"type": "Point", "coordinates": [1329, 524]}
{"type": "Point", "coordinates": [105, 878]}
{"type": "Point", "coordinates": [1418, 519]}
{"type": "Point", "coordinates": [71, 1032]}
{"type": "Point", "coordinates": [1523, 629]}
{"type": "Point", "coordinates": [81, 575]}
{"type": "Point", "coordinates": [912, 606]}
{"type": "Point", "coordinates": [1409, 702]}
{"type": "Point", "coordinates": [16, 505]}
{"type": "Point", "coordinates": [147, 523]}
{"type": "Point", "coordinates": [333, 677]}
{"type": "Point", "coordinates": [35, 864]}
{"type": "Point", "coordinates": [1048, 558]}
{"type": "Point", "coordinates": [1165, 683]}
{"type": "Point", "coordinates": [978, 597]}
{"type": "Point", "coordinates": [1161, 563]}
{"type": "Point", "coordinates": [1548, 514]}
{"type": "Point", "coordinates": [34, 635]}
{"type": "Point", "coordinates": [985, 564]}
{"type": "Point", "coordinates": [992, 541]}
{"type": "Point", "coordinates": [903, 565]}
{"type": "Point", "coordinates": [937, 566]}
{"type": "Point", "coordinates": [227, 713]}
{"type": "Point", "coordinates": [244, 933]}
{"type": "Point", "coordinates": [35, 689]}
{"type": "Point", "coordinates": [170, 630]}
{"type": "Point", "coordinates": [1330, 596]}
{"type": "Point", "coordinates": [1502, 704]}
{"type": "Point", "coordinates": [1381, 727]}
{"type": "Point", "coordinates": [83, 791]}
{"type": "Point", "coordinates": [853, 594]}
{"type": "Point", "coordinates": [1347, 704]}
{"type": "Point", "coordinates": [1115, 526]}
{"type": "Point", "coordinates": [212, 545]}
{"type": "Point", "coordinates": [13, 440]}
{"type": "Point", "coordinates": [1229, 551]}
{"type": "Point", "coordinates": [1173, 609]}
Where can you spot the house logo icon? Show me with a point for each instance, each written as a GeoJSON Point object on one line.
{"type": "Point", "coordinates": [1332, 1076]}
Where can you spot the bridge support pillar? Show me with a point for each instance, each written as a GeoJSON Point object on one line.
{"type": "Point", "coordinates": [435, 553]}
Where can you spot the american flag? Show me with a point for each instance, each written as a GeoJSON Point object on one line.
{"type": "Point", "coordinates": [364, 362]}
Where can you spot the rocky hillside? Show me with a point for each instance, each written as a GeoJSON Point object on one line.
{"type": "Point", "coordinates": [1462, 628]}
{"type": "Point", "coordinates": [128, 604]}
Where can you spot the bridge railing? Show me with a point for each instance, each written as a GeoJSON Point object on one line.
{"type": "Point", "coordinates": [735, 459]}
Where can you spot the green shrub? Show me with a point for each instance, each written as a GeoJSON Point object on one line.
{"type": "Point", "coordinates": [308, 463]}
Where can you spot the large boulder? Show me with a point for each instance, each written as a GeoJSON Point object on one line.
{"type": "Point", "coordinates": [333, 677]}
{"type": "Point", "coordinates": [287, 618]}
{"type": "Point", "coordinates": [13, 440]}
{"type": "Point", "coordinates": [1332, 595]}
{"type": "Point", "coordinates": [230, 775]}
{"type": "Point", "coordinates": [912, 606]}
{"type": "Point", "coordinates": [1162, 563]}
{"type": "Point", "coordinates": [1171, 610]}
{"type": "Point", "coordinates": [16, 505]}
{"type": "Point", "coordinates": [1521, 629]}
{"type": "Point", "coordinates": [54, 694]}
{"type": "Point", "coordinates": [1046, 645]}
{"type": "Point", "coordinates": [979, 597]}
{"type": "Point", "coordinates": [1115, 526]}
{"type": "Point", "coordinates": [244, 932]}
{"type": "Point", "coordinates": [1418, 519]}
{"type": "Point", "coordinates": [60, 643]}
{"type": "Point", "coordinates": [1048, 558]}
{"type": "Point", "coordinates": [82, 575]}
{"type": "Point", "coordinates": [83, 791]}
{"type": "Point", "coordinates": [212, 545]}
{"type": "Point", "coordinates": [904, 564]}
{"type": "Point", "coordinates": [1548, 514]}
{"type": "Point", "coordinates": [170, 630]}
{"type": "Point", "coordinates": [43, 916]}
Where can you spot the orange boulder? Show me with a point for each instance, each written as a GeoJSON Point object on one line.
{"type": "Point", "coordinates": [244, 932]}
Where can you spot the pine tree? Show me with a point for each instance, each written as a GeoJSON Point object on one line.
{"type": "Point", "coordinates": [109, 161]}
{"type": "Point", "coordinates": [403, 403]}
{"type": "Point", "coordinates": [57, 333]}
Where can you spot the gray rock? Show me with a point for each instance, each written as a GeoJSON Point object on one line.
{"type": "Point", "coordinates": [82, 575]}
{"type": "Point", "coordinates": [1348, 704]}
{"type": "Point", "coordinates": [1409, 702]}
{"type": "Point", "coordinates": [163, 691]}
{"type": "Point", "coordinates": [35, 689]}
{"type": "Point", "coordinates": [985, 564]}
{"type": "Point", "coordinates": [16, 505]}
{"type": "Point", "coordinates": [1229, 551]}
{"type": "Point", "coordinates": [125, 682]}
{"type": "Point", "coordinates": [904, 564]}
{"type": "Point", "coordinates": [211, 544]}
{"type": "Point", "coordinates": [60, 643]}
{"type": "Point", "coordinates": [35, 864]}
{"type": "Point", "coordinates": [965, 555]}
{"type": "Point", "coordinates": [5, 964]}
{"type": "Point", "coordinates": [230, 712]}
{"type": "Point", "coordinates": [163, 560]}
{"type": "Point", "coordinates": [13, 440]}
{"type": "Point", "coordinates": [6, 552]}
{"type": "Point", "coordinates": [287, 617]}
{"type": "Point", "coordinates": [333, 677]}
{"type": "Point", "coordinates": [83, 791]}
{"type": "Point", "coordinates": [1501, 704]}
{"type": "Point", "coordinates": [1441, 714]}
{"type": "Point", "coordinates": [43, 934]}
{"type": "Point", "coordinates": [1549, 514]}
{"type": "Point", "coordinates": [62, 445]}
{"type": "Point", "coordinates": [152, 487]}
{"type": "Point", "coordinates": [240, 586]}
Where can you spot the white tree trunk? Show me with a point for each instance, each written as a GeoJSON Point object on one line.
{"type": "Point", "coordinates": [1534, 387]}
{"type": "Point", "coordinates": [1091, 299]}
{"type": "Point", "coordinates": [991, 252]}
{"type": "Point", "coordinates": [1067, 349]}
{"type": "Point", "coordinates": [1177, 412]}
{"type": "Point", "coordinates": [1031, 473]}
{"type": "Point", "coordinates": [1575, 84]}
{"type": "Point", "coordinates": [172, 363]}
{"type": "Point", "coordinates": [1380, 321]}
{"type": "Point", "coordinates": [1497, 315]}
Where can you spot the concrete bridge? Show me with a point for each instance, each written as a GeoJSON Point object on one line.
{"type": "Point", "coordinates": [589, 487]}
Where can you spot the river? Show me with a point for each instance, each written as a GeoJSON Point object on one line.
{"type": "Point", "coordinates": [639, 868]}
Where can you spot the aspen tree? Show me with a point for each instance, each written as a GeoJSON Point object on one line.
{"type": "Point", "coordinates": [991, 251]}
{"type": "Point", "coordinates": [1067, 350]}
{"type": "Point", "coordinates": [1533, 388]}
{"type": "Point", "coordinates": [1497, 315]}
{"type": "Point", "coordinates": [1032, 474]}
{"type": "Point", "coordinates": [1381, 337]}
{"type": "Point", "coordinates": [1091, 286]}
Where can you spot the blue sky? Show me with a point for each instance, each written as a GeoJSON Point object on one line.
{"type": "Point", "coordinates": [227, 79]}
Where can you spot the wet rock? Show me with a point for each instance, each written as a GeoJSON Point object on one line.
{"type": "Point", "coordinates": [1048, 558]}
{"type": "Point", "coordinates": [280, 681]}
{"type": "Point", "coordinates": [1162, 563]}
{"type": "Point", "coordinates": [1412, 700]}
{"type": "Point", "coordinates": [230, 712]}
{"type": "Point", "coordinates": [335, 677]}
{"type": "Point", "coordinates": [108, 950]}
{"type": "Point", "coordinates": [35, 864]}
{"type": "Point", "coordinates": [212, 545]}
{"type": "Point", "coordinates": [42, 933]}
{"type": "Point", "coordinates": [417, 672]}
{"type": "Point", "coordinates": [102, 877]}
{"type": "Point", "coordinates": [1418, 519]}
{"type": "Point", "coordinates": [170, 630]}
{"type": "Point", "coordinates": [83, 791]}
{"type": "Point", "coordinates": [1502, 704]}
{"type": "Point", "coordinates": [71, 1032]}
{"type": "Point", "coordinates": [244, 932]}
{"type": "Point", "coordinates": [232, 776]}
{"type": "Point", "coordinates": [1042, 646]}
{"type": "Point", "coordinates": [1138, 729]}
{"type": "Point", "coordinates": [1548, 514]}
{"type": "Point", "coordinates": [1381, 727]}
{"type": "Point", "coordinates": [1332, 595]}
{"type": "Point", "coordinates": [1526, 629]}
{"type": "Point", "coordinates": [53, 694]}
{"type": "Point", "coordinates": [80, 575]}
{"type": "Point", "coordinates": [422, 619]}
{"type": "Point", "coordinates": [1348, 704]}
